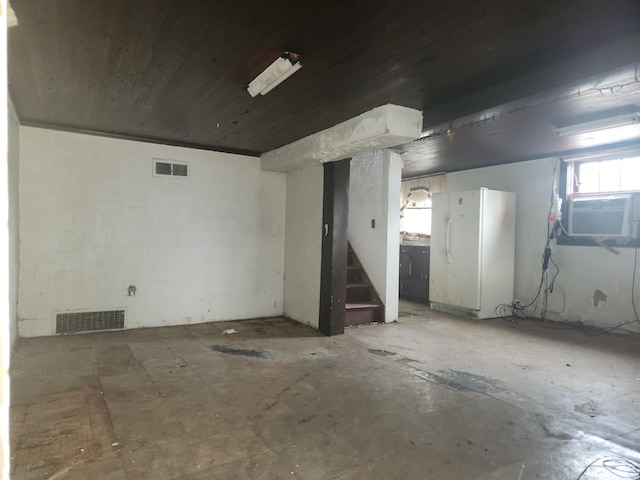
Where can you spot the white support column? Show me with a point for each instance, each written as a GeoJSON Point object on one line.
{"type": "Point", "coordinates": [5, 262]}
{"type": "Point", "coordinates": [392, 182]}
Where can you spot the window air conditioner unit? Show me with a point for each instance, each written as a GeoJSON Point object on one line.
{"type": "Point", "coordinates": [600, 216]}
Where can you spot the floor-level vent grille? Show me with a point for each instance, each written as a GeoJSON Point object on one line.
{"type": "Point", "coordinates": [89, 321]}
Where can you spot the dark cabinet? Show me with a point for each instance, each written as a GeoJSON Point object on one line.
{"type": "Point", "coordinates": [414, 272]}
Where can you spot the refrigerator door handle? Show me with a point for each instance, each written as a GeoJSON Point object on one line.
{"type": "Point", "coordinates": [447, 238]}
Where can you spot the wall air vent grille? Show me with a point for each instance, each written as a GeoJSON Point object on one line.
{"type": "Point", "coordinates": [73, 322]}
{"type": "Point", "coordinates": [169, 168]}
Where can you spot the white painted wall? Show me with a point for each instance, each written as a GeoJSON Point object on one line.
{"type": "Point", "coordinates": [374, 194]}
{"type": "Point", "coordinates": [94, 220]}
{"type": "Point", "coordinates": [303, 245]}
{"type": "Point", "coordinates": [6, 260]}
{"type": "Point", "coordinates": [13, 161]}
{"type": "Point", "coordinates": [367, 202]}
{"type": "Point", "coordinates": [582, 269]}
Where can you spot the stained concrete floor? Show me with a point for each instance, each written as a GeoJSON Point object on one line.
{"type": "Point", "coordinates": [431, 397]}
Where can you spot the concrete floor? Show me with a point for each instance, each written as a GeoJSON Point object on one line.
{"type": "Point", "coordinates": [431, 397]}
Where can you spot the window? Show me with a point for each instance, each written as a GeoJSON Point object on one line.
{"type": "Point", "coordinates": [416, 215]}
{"type": "Point", "coordinates": [593, 176]}
{"type": "Point", "coordinates": [601, 196]}
{"type": "Point", "coordinates": [417, 220]}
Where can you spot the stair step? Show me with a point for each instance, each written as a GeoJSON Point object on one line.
{"type": "Point", "coordinates": [361, 314]}
{"type": "Point", "coordinates": [363, 305]}
{"type": "Point", "coordinates": [354, 275]}
{"type": "Point", "coordinates": [358, 292]}
{"type": "Point", "coordinates": [358, 306]}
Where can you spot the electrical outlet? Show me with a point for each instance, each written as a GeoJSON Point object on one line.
{"type": "Point", "coordinates": [517, 302]}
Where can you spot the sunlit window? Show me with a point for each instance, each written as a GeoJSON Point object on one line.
{"type": "Point", "coordinates": [608, 175]}
{"type": "Point", "coordinates": [416, 218]}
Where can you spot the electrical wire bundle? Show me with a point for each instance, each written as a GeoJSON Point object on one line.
{"type": "Point", "coordinates": [539, 303]}
{"type": "Point", "coordinates": [540, 299]}
{"type": "Point", "coordinates": [616, 466]}
{"type": "Point", "coordinates": [536, 309]}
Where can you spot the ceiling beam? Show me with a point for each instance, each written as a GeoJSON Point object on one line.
{"type": "Point", "coordinates": [381, 127]}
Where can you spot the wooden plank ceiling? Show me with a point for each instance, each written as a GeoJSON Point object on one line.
{"type": "Point", "coordinates": [175, 71]}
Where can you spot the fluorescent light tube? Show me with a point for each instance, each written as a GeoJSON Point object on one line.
{"type": "Point", "coordinates": [597, 125]}
{"type": "Point", "coordinates": [274, 75]}
{"type": "Point", "coordinates": [294, 68]}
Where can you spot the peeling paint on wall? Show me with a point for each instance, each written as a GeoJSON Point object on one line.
{"type": "Point", "coordinates": [598, 296]}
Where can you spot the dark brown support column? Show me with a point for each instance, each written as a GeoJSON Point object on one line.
{"type": "Point", "coordinates": [335, 218]}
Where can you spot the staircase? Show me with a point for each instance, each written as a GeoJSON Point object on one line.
{"type": "Point", "coordinates": [363, 304]}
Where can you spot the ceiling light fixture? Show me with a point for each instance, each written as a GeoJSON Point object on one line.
{"type": "Point", "coordinates": [275, 74]}
{"type": "Point", "coordinates": [599, 124]}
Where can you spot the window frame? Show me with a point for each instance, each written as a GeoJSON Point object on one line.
{"type": "Point", "coordinates": [574, 168]}
{"type": "Point", "coordinates": [567, 183]}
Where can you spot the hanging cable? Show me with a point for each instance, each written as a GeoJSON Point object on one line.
{"type": "Point", "coordinates": [511, 312]}
{"type": "Point", "coordinates": [633, 285]}
{"type": "Point", "coordinates": [541, 298]}
{"type": "Point", "coordinates": [618, 466]}
{"type": "Point", "coordinates": [537, 308]}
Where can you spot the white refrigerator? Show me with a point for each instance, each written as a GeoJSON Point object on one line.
{"type": "Point", "coordinates": [472, 252]}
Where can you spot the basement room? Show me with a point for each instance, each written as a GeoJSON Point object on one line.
{"type": "Point", "coordinates": [320, 240]}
